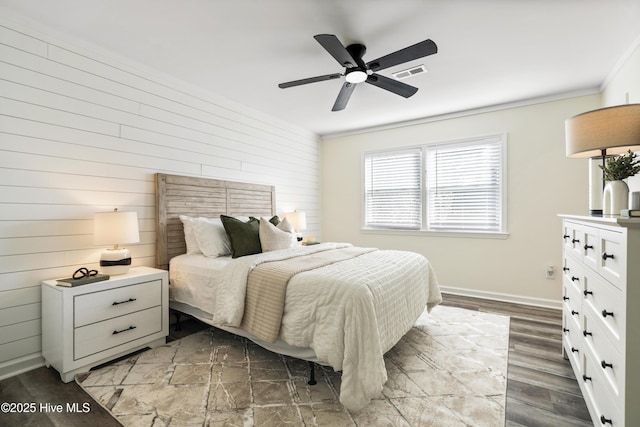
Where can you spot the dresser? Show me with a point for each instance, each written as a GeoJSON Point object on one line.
{"type": "Point", "coordinates": [87, 325]}
{"type": "Point", "coordinates": [601, 314]}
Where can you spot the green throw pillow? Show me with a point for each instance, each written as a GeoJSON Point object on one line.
{"type": "Point", "coordinates": [244, 236]}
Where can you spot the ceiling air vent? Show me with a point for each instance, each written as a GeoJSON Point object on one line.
{"type": "Point", "coordinates": [414, 71]}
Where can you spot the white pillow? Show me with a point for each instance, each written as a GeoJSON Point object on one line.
{"type": "Point", "coordinates": [285, 225]}
{"type": "Point", "coordinates": [273, 238]}
{"type": "Point", "coordinates": [211, 237]}
{"type": "Point", "coordinates": [189, 236]}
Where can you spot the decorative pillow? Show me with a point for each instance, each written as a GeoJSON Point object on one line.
{"type": "Point", "coordinates": [244, 236]}
{"type": "Point", "coordinates": [273, 238]}
{"type": "Point", "coordinates": [285, 225]}
{"type": "Point", "coordinates": [211, 237]}
{"type": "Point", "coordinates": [189, 236]}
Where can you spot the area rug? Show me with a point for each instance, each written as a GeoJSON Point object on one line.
{"type": "Point", "coordinates": [448, 370]}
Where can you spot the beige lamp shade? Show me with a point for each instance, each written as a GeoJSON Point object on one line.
{"type": "Point", "coordinates": [298, 220]}
{"type": "Point", "coordinates": [607, 131]}
{"type": "Point", "coordinates": [115, 228]}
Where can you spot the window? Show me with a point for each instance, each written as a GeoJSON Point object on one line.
{"type": "Point", "coordinates": [393, 189]}
{"type": "Point", "coordinates": [462, 189]}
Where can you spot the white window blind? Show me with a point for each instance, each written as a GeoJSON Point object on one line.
{"type": "Point", "coordinates": [393, 189]}
{"type": "Point", "coordinates": [464, 186]}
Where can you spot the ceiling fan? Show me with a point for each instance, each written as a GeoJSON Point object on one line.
{"type": "Point", "coordinates": [357, 71]}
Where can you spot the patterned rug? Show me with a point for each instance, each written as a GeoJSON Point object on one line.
{"type": "Point", "coordinates": [449, 370]}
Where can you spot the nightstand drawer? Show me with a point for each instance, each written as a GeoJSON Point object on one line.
{"type": "Point", "coordinates": [99, 306]}
{"type": "Point", "coordinates": [97, 337]}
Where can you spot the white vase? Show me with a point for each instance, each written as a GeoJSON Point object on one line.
{"type": "Point", "coordinates": [615, 197]}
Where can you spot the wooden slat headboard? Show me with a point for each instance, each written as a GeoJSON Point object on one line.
{"type": "Point", "coordinates": [193, 196]}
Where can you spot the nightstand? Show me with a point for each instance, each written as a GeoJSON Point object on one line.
{"type": "Point", "coordinates": [87, 325]}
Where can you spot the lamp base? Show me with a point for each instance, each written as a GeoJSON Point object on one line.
{"type": "Point", "coordinates": [115, 261]}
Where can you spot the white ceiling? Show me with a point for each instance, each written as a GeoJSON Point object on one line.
{"type": "Point", "coordinates": [490, 51]}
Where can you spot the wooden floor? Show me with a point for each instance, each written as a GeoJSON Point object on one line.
{"type": "Point", "coordinates": [541, 387]}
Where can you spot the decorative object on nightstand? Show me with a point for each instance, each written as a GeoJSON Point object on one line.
{"type": "Point", "coordinates": [299, 222]}
{"type": "Point", "coordinates": [82, 276]}
{"type": "Point", "coordinates": [115, 228]}
{"type": "Point", "coordinates": [85, 326]}
{"type": "Point", "coordinates": [600, 133]}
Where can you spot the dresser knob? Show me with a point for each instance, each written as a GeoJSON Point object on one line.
{"type": "Point", "coordinates": [565, 298]}
{"type": "Point", "coordinates": [565, 329]}
{"type": "Point", "coordinates": [575, 312]}
{"type": "Point", "coordinates": [585, 292]}
{"type": "Point", "coordinates": [574, 350]}
{"type": "Point", "coordinates": [604, 420]}
{"type": "Point", "coordinates": [566, 236]}
{"type": "Point", "coordinates": [606, 365]}
{"type": "Point", "coordinates": [575, 279]}
{"type": "Point", "coordinates": [606, 255]}
{"type": "Point", "coordinates": [585, 333]}
{"type": "Point", "coordinates": [565, 269]}
{"type": "Point", "coordinates": [587, 247]}
{"type": "Point", "coordinates": [606, 313]}
{"type": "Point", "coordinates": [575, 241]}
{"type": "Point", "coordinates": [586, 378]}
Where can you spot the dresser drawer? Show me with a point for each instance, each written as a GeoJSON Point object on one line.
{"type": "Point", "coordinates": [608, 359]}
{"type": "Point", "coordinates": [572, 341]}
{"type": "Point", "coordinates": [101, 336]}
{"type": "Point", "coordinates": [606, 302]}
{"type": "Point", "coordinates": [604, 410]}
{"type": "Point", "coordinates": [107, 304]}
{"type": "Point", "coordinates": [572, 237]}
{"type": "Point", "coordinates": [613, 260]}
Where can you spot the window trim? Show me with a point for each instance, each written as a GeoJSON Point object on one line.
{"type": "Point", "coordinates": [502, 234]}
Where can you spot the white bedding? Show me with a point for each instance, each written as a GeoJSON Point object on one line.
{"type": "Point", "coordinates": [350, 313]}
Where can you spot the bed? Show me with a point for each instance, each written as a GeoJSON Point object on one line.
{"type": "Point", "coordinates": [330, 303]}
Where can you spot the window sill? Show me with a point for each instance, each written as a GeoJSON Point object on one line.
{"type": "Point", "coordinates": [458, 234]}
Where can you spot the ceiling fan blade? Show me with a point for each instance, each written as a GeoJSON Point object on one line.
{"type": "Point", "coordinates": [309, 80]}
{"type": "Point", "coordinates": [343, 96]}
{"type": "Point", "coordinates": [336, 49]}
{"type": "Point", "coordinates": [418, 50]}
{"type": "Point", "coordinates": [391, 85]}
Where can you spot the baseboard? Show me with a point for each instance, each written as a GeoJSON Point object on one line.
{"type": "Point", "coordinates": [20, 365]}
{"type": "Point", "coordinates": [496, 296]}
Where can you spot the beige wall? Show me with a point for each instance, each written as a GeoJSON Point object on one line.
{"type": "Point", "coordinates": [541, 182]}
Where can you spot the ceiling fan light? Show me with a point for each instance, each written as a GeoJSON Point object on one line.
{"type": "Point", "coordinates": [356, 76]}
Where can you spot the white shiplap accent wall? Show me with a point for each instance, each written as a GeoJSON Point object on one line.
{"type": "Point", "coordinates": [82, 133]}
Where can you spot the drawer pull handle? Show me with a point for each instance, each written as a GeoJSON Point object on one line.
{"type": "Point", "coordinates": [587, 247]}
{"type": "Point", "coordinates": [574, 312]}
{"type": "Point", "coordinates": [575, 241]}
{"type": "Point", "coordinates": [606, 365]}
{"type": "Point", "coordinates": [566, 236]}
{"type": "Point", "coordinates": [130, 328]}
{"type": "Point", "coordinates": [606, 255]}
{"type": "Point", "coordinates": [604, 420]}
{"type": "Point", "coordinates": [565, 329]}
{"type": "Point", "coordinates": [585, 333]}
{"type": "Point", "coordinates": [606, 313]}
{"type": "Point", "coordinates": [587, 293]}
{"type": "Point", "coordinates": [586, 378]}
{"type": "Point", "coordinates": [123, 302]}
{"type": "Point", "coordinates": [565, 269]}
{"type": "Point", "coordinates": [575, 279]}
{"type": "Point", "coordinates": [574, 350]}
{"type": "Point", "coordinates": [565, 298]}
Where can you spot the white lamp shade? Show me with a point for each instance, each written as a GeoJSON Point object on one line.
{"type": "Point", "coordinates": [613, 129]}
{"type": "Point", "coordinates": [115, 228]}
{"type": "Point", "coordinates": [298, 220]}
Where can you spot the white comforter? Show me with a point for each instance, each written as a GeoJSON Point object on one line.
{"type": "Point", "coordinates": [350, 313]}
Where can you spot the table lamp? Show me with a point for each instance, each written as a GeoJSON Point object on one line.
{"type": "Point", "coordinates": [298, 221]}
{"type": "Point", "coordinates": [600, 133]}
{"type": "Point", "coordinates": [115, 228]}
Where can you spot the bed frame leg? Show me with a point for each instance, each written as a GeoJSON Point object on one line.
{"type": "Point", "coordinates": [312, 374]}
{"type": "Point", "coordinates": [177, 327]}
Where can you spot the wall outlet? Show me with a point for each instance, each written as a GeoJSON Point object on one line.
{"type": "Point", "coordinates": [551, 271]}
